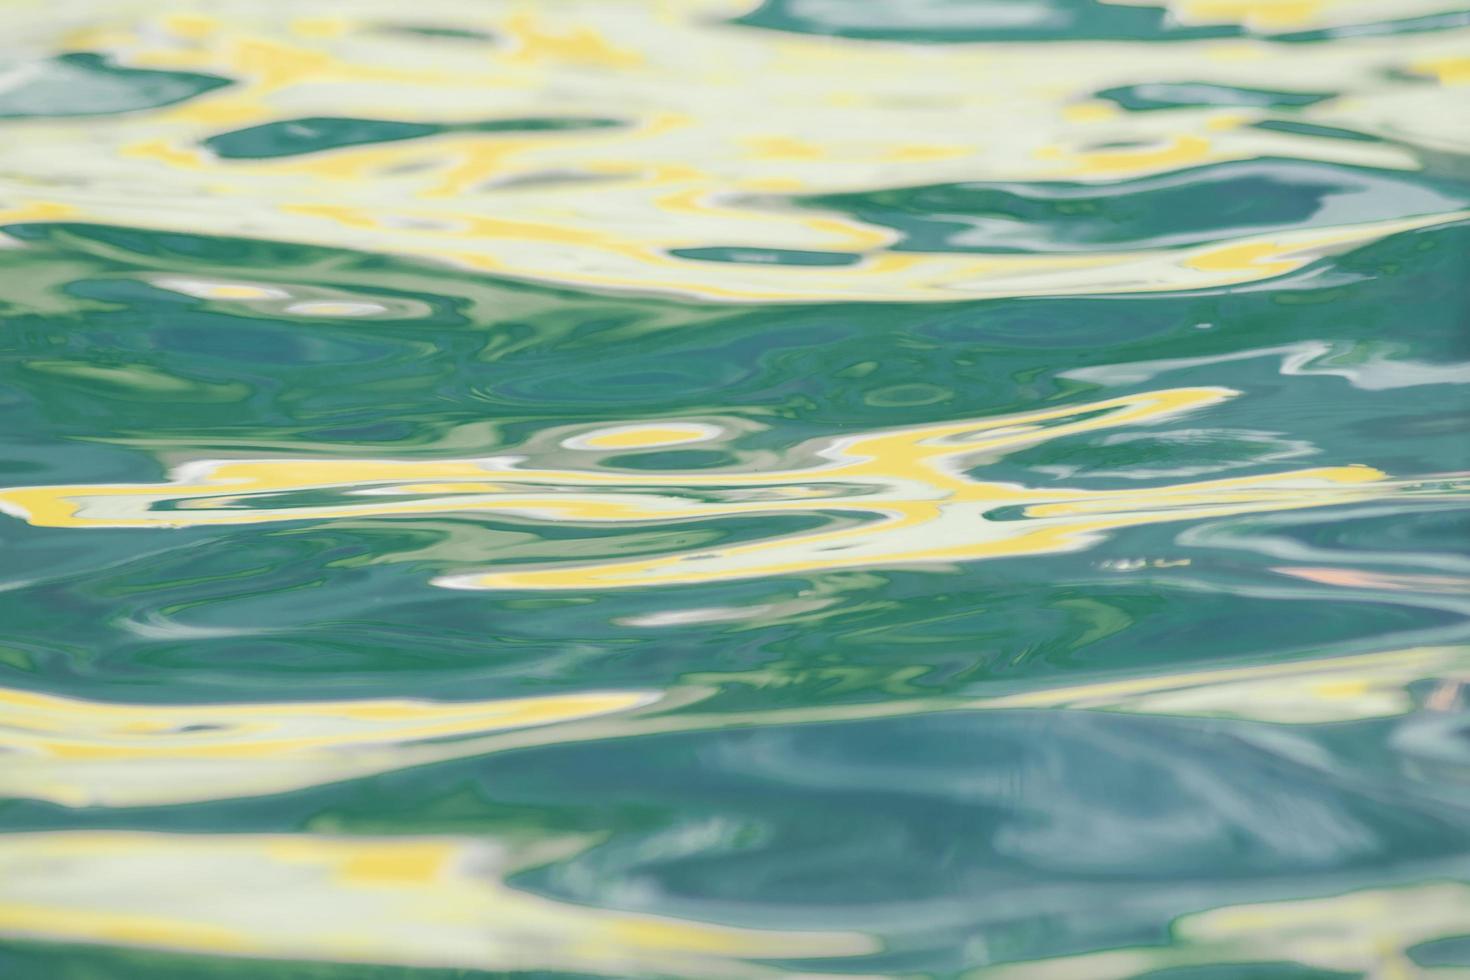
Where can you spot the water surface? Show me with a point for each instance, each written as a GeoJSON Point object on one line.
{"type": "Point", "coordinates": [734, 489]}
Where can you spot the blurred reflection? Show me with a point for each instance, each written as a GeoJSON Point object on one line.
{"type": "Point", "coordinates": [1366, 933]}
{"type": "Point", "coordinates": [410, 901]}
{"type": "Point", "coordinates": [86, 753]}
{"type": "Point", "coordinates": [918, 501]}
{"type": "Point", "coordinates": [610, 144]}
{"type": "Point", "coordinates": [514, 487]}
{"type": "Point", "coordinates": [90, 753]}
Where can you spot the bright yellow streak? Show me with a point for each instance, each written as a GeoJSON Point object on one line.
{"type": "Point", "coordinates": [645, 436]}
{"type": "Point", "coordinates": [1365, 933]}
{"type": "Point", "coordinates": [915, 500]}
{"type": "Point", "coordinates": [76, 752]}
{"type": "Point", "coordinates": [713, 117]}
{"type": "Point", "coordinates": [91, 753]}
{"type": "Point", "coordinates": [404, 901]}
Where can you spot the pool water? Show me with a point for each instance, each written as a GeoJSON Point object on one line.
{"type": "Point", "coordinates": [722, 489]}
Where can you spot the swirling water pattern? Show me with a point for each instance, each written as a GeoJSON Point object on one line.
{"type": "Point", "coordinates": [716, 488]}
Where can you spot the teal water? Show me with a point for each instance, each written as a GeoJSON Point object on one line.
{"type": "Point", "coordinates": [572, 521]}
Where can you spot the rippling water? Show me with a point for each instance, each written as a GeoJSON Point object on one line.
{"type": "Point", "coordinates": [712, 488]}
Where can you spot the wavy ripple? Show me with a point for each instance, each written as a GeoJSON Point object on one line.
{"type": "Point", "coordinates": [915, 488]}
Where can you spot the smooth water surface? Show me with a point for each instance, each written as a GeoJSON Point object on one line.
{"type": "Point", "coordinates": [712, 488]}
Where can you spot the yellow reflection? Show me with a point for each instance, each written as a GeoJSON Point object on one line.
{"type": "Point", "coordinates": [688, 163]}
{"type": "Point", "coordinates": [1362, 933]}
{"type": "Point", "coordinates": [86, 753]}
{"type": "Point", "coordinates": [1277, 15]}
{"type": "Point", "coordinates": [1300, 693]}
{"type": "Point", "coordinates": [91, 753]}
{"type": "Point", "coordinates": [408, 901]}
{"type": "Point", "coordinates": [644, 436]}
{"type": "Point", "coordinates": [220, 290]}
{"type": "Point", "coordinates": [890, 497]}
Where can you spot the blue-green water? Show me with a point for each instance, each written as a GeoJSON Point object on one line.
{"type": "Point", "coordinates": [720, 490]}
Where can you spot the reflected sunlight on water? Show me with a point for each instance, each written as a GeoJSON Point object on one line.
{"type": "Point", "coordinates": [724, 488]}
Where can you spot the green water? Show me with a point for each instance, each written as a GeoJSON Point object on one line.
{"type": "Point", "coordinates": [1085, 632]}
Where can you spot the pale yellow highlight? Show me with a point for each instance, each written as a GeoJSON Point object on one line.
{"type": "Point", "coordinates": [1361, 933]}
{"type": "Point", "coordinates": [37, 211]}
{"type": "Point", "coordinates": [916, 502]}
{"type": "Point", "coordinates": [715, 116]}
{"type": "Point", "coordinates": [558, 42]}
{"type": "Point", "coordinates": [1290, 15]}
{"type": "Point", "coordinates": [644, 436]}
{"type": "Point", "coordinates": [1181, 151]}
{"type": "Point", "coordinates": [1086, 112]}
{"type": "Point", "coordinates": [1448, 71]}
{"type": "Point", "coordinates": [205, 289]}
{"type": "Point", "coordinates": [405, 901]}
{"type": "Point", "coordinates": [1267, 14]}
{"type": "Point", "coordinates": [193, 26]}
{"type": "Point", "coordinates": [1305, 692]}
{"type": "Point", "coordinates": [90, 753]}
{"type": "Point", "coordinates": [76, 752]}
